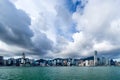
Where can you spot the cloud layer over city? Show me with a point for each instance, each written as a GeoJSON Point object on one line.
{"type": "Point", "coordinates": [59, 28]}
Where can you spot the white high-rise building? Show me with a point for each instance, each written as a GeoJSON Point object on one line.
{"type": "Point", "coordinates": [86, 63]}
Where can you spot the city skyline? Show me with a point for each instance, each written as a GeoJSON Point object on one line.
{"type": "Point", "coordinates": [59, 28]}
{"type": "Point", "coordinates": [91, 61]}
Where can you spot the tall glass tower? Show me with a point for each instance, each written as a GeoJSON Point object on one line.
{"type": "Point", "coordinates": [95, 58]}
{"type": "Point", "coordinates": [23, 60]}
{"type": "Point", "coordinates": [23, 55]}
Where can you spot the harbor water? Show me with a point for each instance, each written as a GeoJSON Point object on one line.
{"type": "Point", "coordinates": [60, 73]}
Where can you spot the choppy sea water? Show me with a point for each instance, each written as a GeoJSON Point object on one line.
{"type": "Point", "coordinates": [59, 73]}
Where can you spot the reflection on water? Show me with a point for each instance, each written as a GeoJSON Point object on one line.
{"type": "Point", "coordinates": [59, 73]}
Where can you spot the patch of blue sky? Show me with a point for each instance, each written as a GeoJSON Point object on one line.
{"type": "Point", "coordinates": [72, 7]}
{"type": "Point", "coordinates": [68, 33]}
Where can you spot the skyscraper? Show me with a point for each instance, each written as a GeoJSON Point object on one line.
{"type": "Point", "coordinates": [23, 61]}
{"type": "Point", "coordinates": [23, 55]}
{"type": "Point", "coordinates": [95, 58]}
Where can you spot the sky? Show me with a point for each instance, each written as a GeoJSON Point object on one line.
{"type": "Point", "coordinates": [59, 28]}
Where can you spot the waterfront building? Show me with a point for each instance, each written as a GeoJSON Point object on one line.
{"type": "Point", "coordinates": [81, 63]}
{"type": "Point", "coordinates": [107, 61]}
{"type": "Point", "coordinates": [111, 62]}
{"type": "Point", "coordinates": [91, 62]}
{"type": "Point", "coordinates": [18, 61]}
{"type": "Point", "coordinates": [102, 61]}
{"type": "Point", "coordinates": [117, 63]}
{"type": "Point", "coordinates": [38, 62]}
{"type": "Point", "coordinates": [58, 61]}
{"type": "Point", "coordinates": [49, 62]}
{"type": "Point", "coordinates": [10, 62]}
{"type": "Point", "coordinates": [73, 62]}
{"type": "Point", "coordinates": [68, 63]}
{"type": "Point", "coordinates": [54, 62]}
{"type": "Point", "coordinates": [27, 63]}
{"type": "Point", "coordinates": [86, 63]}
{"type": "Point", "coordinates": [42, 62]}
{"type": "Point", "coordinates": [1, 60]}
{"type": "Point", "coordinates": [32, 62]}
{"type": "Point", "coordinates": [65, 62]}
{"type": "Point", "coordinates": [76, 62]}
{"type": "Point", "coordinates": [5, 63]}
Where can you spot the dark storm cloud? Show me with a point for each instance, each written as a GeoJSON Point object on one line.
{"type": "Point", "coordinates": [42, 44]}
{"type": "Point", "coordinates": [14, 25]}
{"type": "Point", "coordinates": [114, 53]}
{"type": "Point", "coordinates": [15, 30]}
